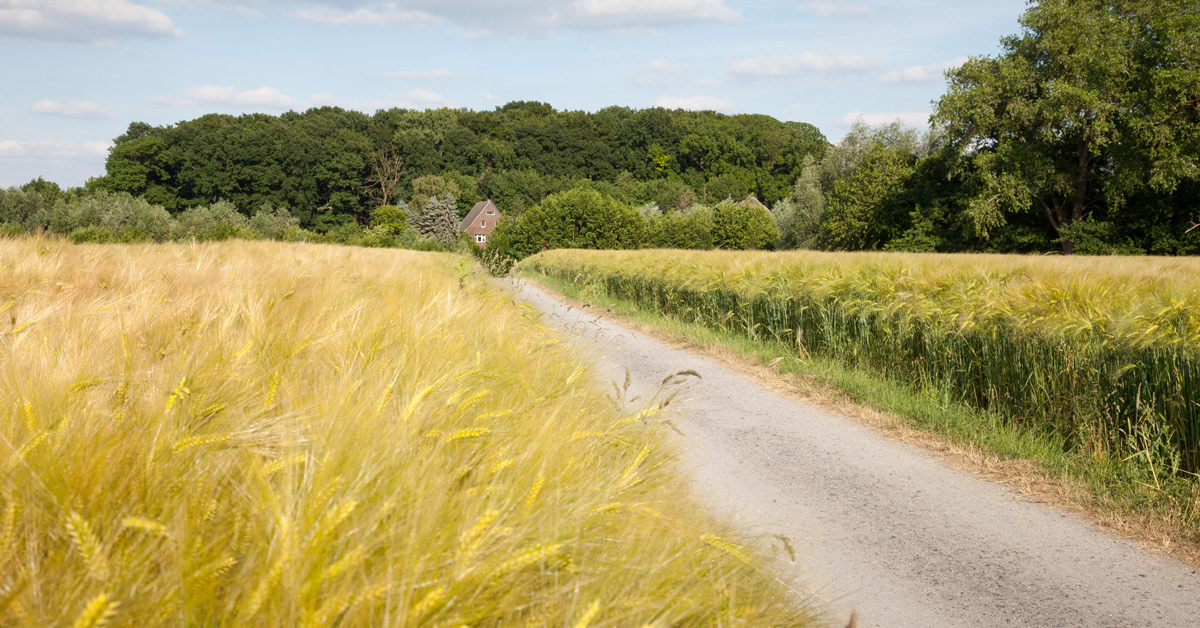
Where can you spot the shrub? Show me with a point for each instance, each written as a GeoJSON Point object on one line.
{"type": "Point", "coordinates": [20, 207]}
{"type": "Point", "coordinates": [94, 234]}
{"type": "Point", "coordinates": [219, 221]}
{"type": "Point", "coordinates": [578, 219]}
{"type": "Point", "coordinates": [691, 229]}
{"type": "Point", "coordinates": [273, 222]}
{"type": "Point", "coordinates": [743, 227]}
{"type": "Point", "coordinates": [392, 218]}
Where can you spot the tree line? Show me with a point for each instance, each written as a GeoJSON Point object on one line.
{"type": "Point", "coordinates": [330, 166]}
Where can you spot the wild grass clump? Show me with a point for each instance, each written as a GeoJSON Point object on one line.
{"type": "Point", "coordinates": [1103, 351]}
{"type": "Point", "coordinates": [269, 434]}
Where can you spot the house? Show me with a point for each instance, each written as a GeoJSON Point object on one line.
{"type": "Point", "coordinates": [480, 222]}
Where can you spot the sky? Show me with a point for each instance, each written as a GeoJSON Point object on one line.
{"type": "Point", "coordinates": [76, 73]}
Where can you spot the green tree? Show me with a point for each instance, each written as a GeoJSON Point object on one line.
{"type": "Point", "coordinates": [439, 220]}
{"type": "Point", "coordinates": [800, 215]}
{"type": "Point", "coordinates": [1090, 103]}
{"type": "Point", "coordinates": [866, 210]}
{"type": "Point", "coordinates": [393, 219]}
{"type": "Point", "coordinates": [743, 227]}
{"type": "Point", "coordinates": [432, 186]}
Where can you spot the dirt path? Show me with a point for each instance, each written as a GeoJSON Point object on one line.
{"type": "Point", "coordinates": [884, 527]}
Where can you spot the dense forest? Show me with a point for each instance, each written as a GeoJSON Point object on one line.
{"type": "Point", "coordinates": [1081, 136]}
{"type": "Point", "coordinates": [329, 164]}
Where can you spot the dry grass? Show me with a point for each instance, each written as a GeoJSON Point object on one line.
{"type": "Point", "coordinates": [297, 435]}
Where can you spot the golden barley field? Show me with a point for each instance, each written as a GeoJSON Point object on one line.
{"type": "Point", "coordinates": [269, 434]}
{"type": "Point", "coordinates": [1103, 350]}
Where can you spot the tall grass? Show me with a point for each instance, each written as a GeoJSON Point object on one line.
{"type": "Point", "coordinates": [257, 433]}
{"type": "Point", "coordinates": [1101, 350]}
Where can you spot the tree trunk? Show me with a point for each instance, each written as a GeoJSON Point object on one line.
{"type": "Point", "coordinates": [1078, 202]}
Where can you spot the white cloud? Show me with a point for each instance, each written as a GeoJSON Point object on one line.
{"type": "Point", "coordinates": [922, 73]}
{"type": "Point", "coordinates": [72, 109]}
{"type": "Point", "coordinates": [694, 103]}
{"type": "Point", "coordinates": [82, 21]}
{"type": "Point", "coordinates": [52, 149]}
{"type": "Point", "coordinates": [837, 9]}
{"type": "Point", "coordinates": [489, 97]}
{"type": "Point", "coordinates": [421, 74]}
{"type": "Point", "coordinates": [661, 10]}
{"type": "Point", "coordinates": [918, 119]}
{"type": "Point", "coordinates": [383, 15]}
{"type": "Point", "coordinates": [224, 95]}
{"type": "Point", "coordinates": [477, 19]}
{"type": "Point", "coordinates": [798, 65]}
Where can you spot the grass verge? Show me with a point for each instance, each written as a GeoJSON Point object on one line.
{"type": "Point", "coordinates": [1124, 496]}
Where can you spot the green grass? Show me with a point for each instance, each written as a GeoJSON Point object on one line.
{"type": "Point", "coordinates": [1131, 493]}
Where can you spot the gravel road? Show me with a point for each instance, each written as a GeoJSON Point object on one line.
{"type": "Point", "coordinates": [882, 527]}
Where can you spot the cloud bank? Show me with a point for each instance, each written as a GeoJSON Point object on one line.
{"type": "Point", "coordinates": [82, 21]}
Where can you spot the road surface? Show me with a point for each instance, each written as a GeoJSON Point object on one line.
{"type": "Point", "coordinates": [886, 528]}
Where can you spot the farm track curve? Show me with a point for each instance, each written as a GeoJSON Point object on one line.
{"type": "Point", "coordinates": [883, 527]}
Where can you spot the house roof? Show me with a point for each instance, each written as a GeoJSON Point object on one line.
{"type": "Point", "coordinates": [474, 213]}
{"type": "Point", "coordinates": [750, 202]}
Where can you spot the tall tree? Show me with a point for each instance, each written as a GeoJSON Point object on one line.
{"type": "Point", "coordinates": [439, 220]}
{"type": "Point", "coordinates": [1094, 100]}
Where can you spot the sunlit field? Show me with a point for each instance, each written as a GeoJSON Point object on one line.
{"type": "Point", "coordinates": [268, 434]}
{"type": "Point", "coordinates": [1102, 350]}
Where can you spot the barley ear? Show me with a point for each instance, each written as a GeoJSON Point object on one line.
{"type": "Point", "coordinates": [97, 613]}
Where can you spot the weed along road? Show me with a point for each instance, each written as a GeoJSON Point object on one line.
{"type": "Point", "coordinates": [882, 527]}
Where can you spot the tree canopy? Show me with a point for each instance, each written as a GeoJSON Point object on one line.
{"type": "Point", "coordinates": [1091, 104]}
{"type": "Point", "coordinates": [328, 164]}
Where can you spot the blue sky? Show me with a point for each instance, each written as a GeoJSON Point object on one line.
{"type": "Point", "coordinates": [77, 72]}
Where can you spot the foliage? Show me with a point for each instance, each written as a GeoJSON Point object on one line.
{"type": "Point", "coordinates": [391, 218]}
{"type": "Point", "coordinates": [275, 223]}
{"type": "Point", "coordinates": [219, 221]}
{"type": "Point", "coordinates": [347, 163]}
{"type": "Point", "coordinates": [1091, 103]}
{"type": "Point", "coordinates": [439, 221]}
{"type": "Point", "coordinates": [254, 434]}
{"type": "Point", "coordinates": [800, 216]}
{"type": "Point", "coordinates": [743, 227]}
{"type": "Point", "coordinates": [431, 187]}
{"type": "Point", "coordinates": [116, 212]}
{"type": "Point", "coordinates": [1097, 350]}
{"type": "Point", "coordinates": [577, 219]}
{"type": "Point", "coordinates": [864, 208]}
{"type": "Point", "coordinates": [690, 229]}
{"type": "Point", "coordinates": [22, 208]}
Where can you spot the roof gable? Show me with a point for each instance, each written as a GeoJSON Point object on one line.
{"type": "Point", "coordinates": [478, 209]}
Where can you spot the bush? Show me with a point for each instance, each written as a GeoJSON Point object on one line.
{"type": "Point", "coordinates": [743, 227]}
{"type": "Point", "coordinates": [94, 234]}
{"type": "Point", "coordinates": [219, 221]}
{"type": "Point", "coordinates": [578, 219]}
{"type": "Point", "coordinates": [273, 222]}
{"type": "Point", "coordinates": [20, 207]}
{"type": "Point", "coordinates": [115, 212]}
{"type": "Point", "coordinates": [691, 229]}
{"type": "Point", "coordinates": [391, 218]}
